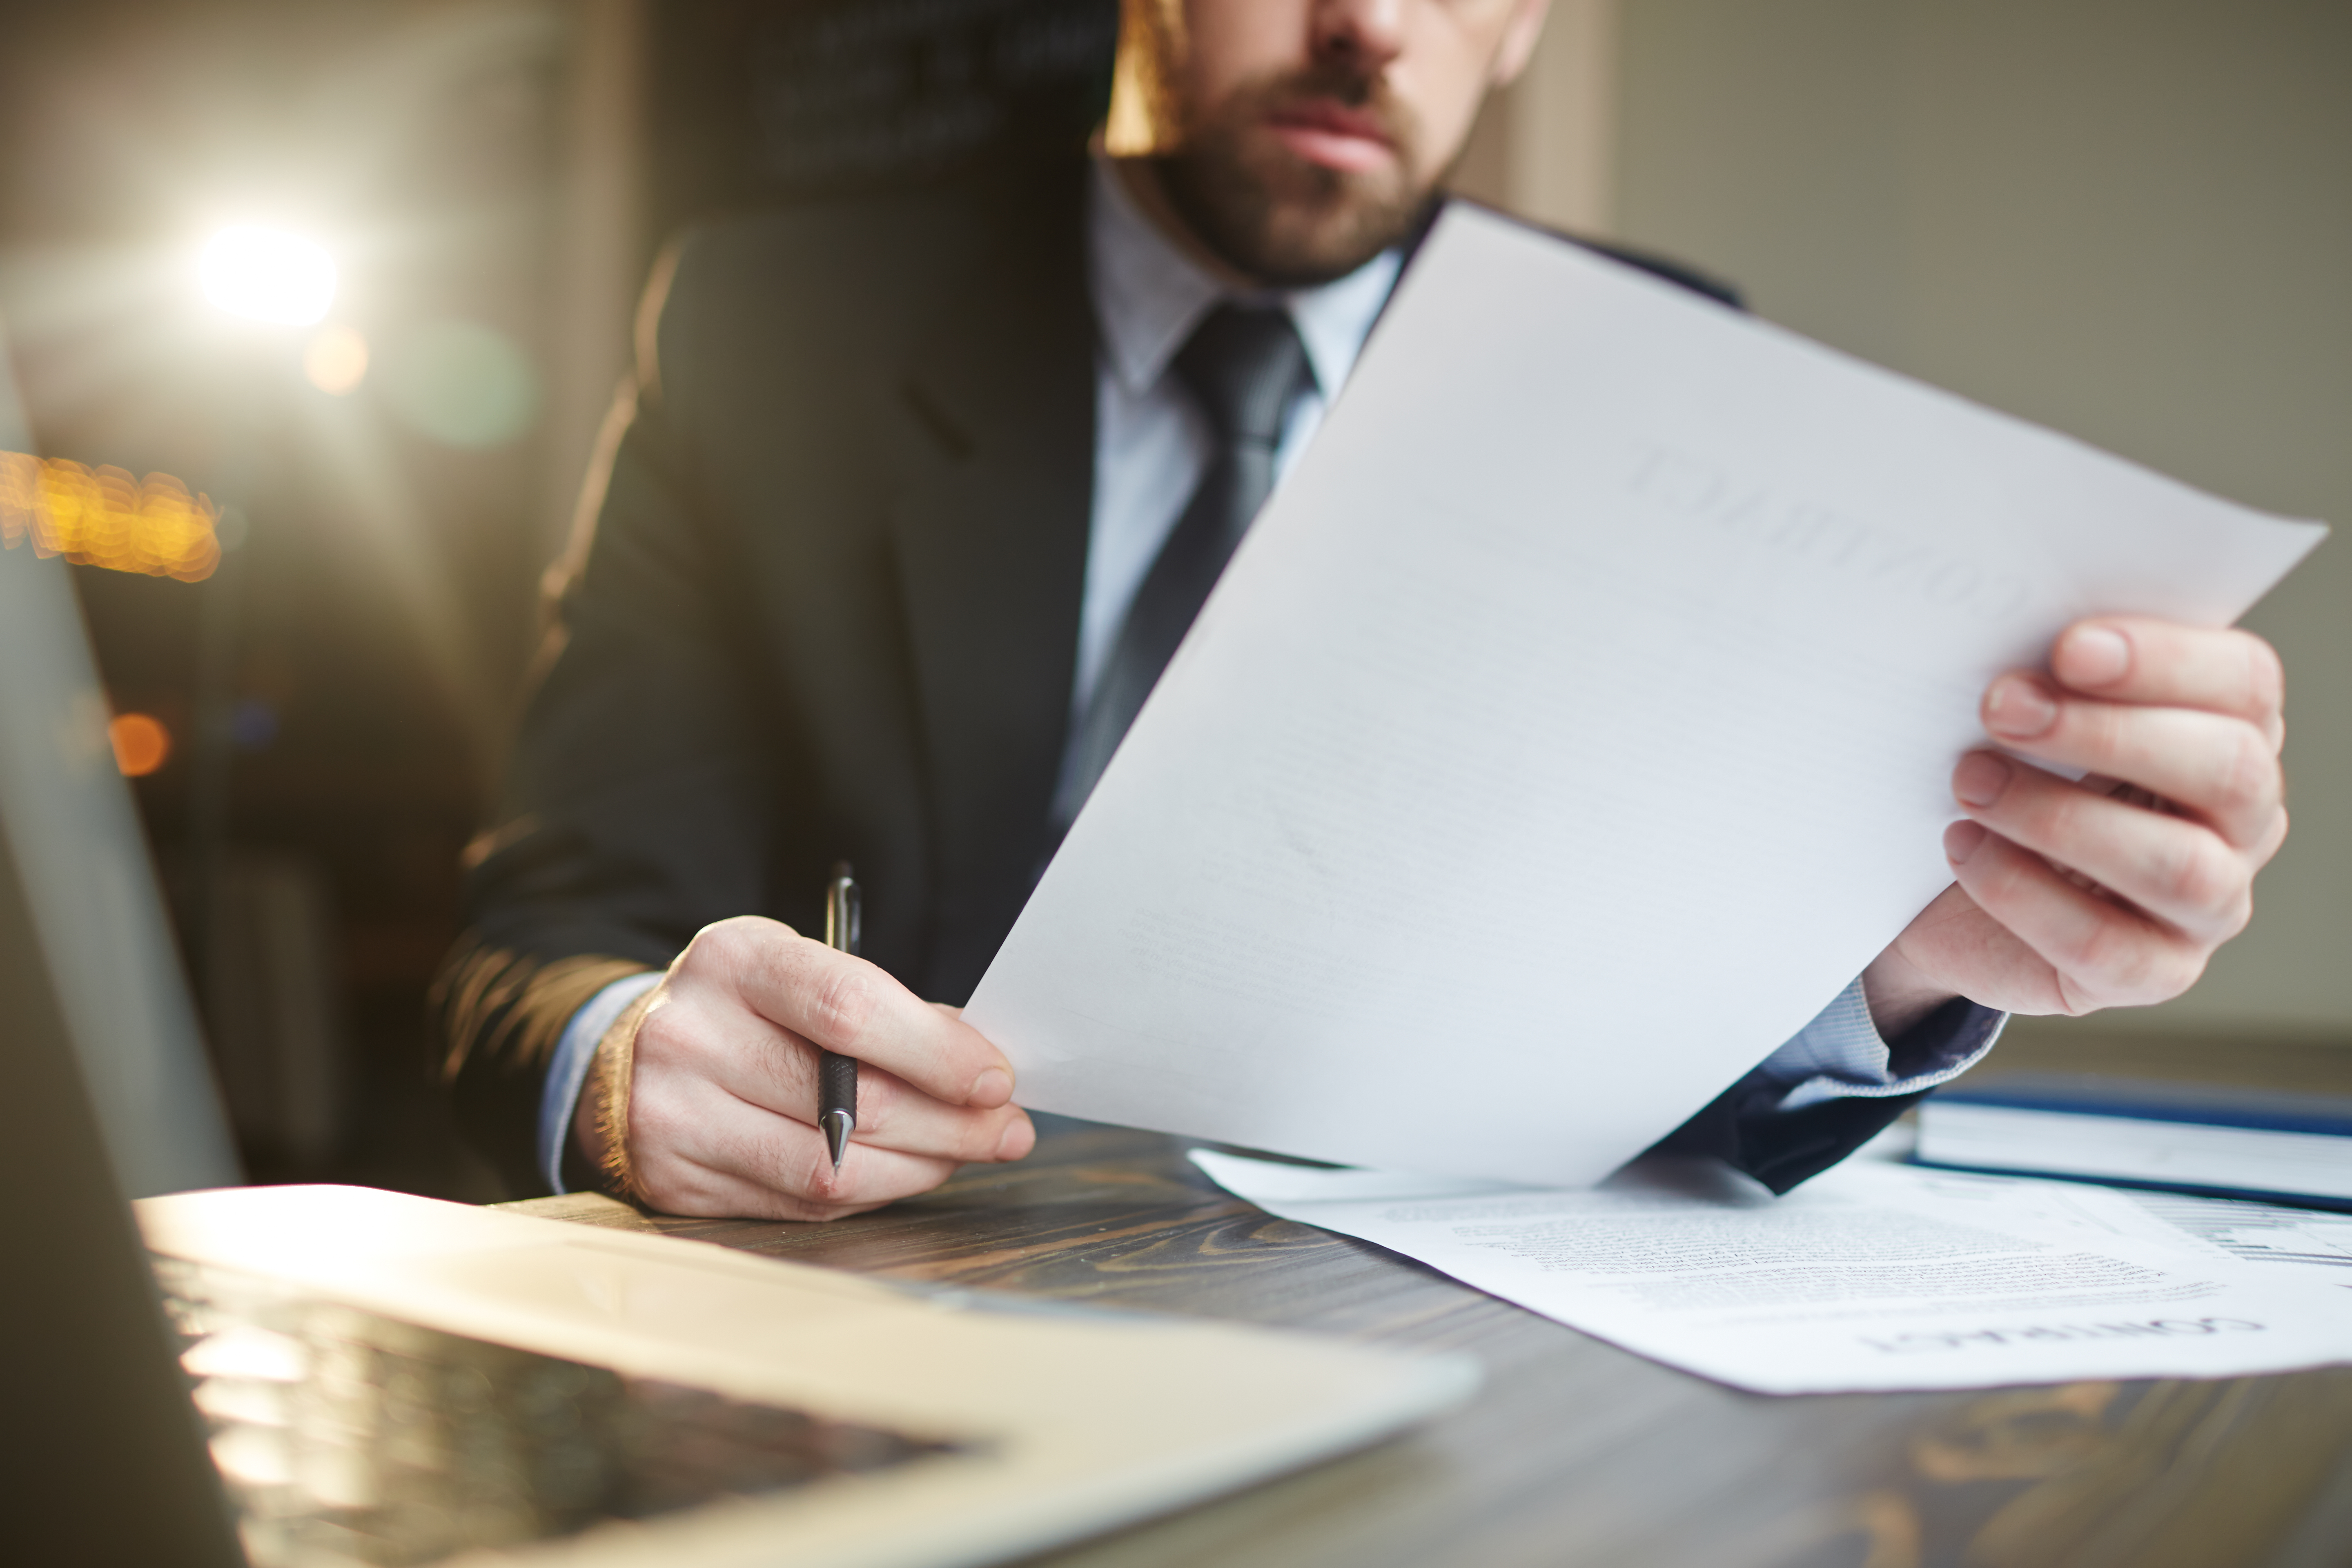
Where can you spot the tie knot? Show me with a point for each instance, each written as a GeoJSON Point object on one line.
{"type": "Point", "coordinates": [1244, 362]}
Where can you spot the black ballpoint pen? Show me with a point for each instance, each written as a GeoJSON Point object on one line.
{"type": "Point", "coordinates": [836, 1075]}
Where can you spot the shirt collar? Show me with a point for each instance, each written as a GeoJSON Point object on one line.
{"type": "Point", "coordinates": [1149, 295]}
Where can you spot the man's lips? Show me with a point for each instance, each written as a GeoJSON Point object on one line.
{"type": "Point", "coordinates": [1334, 136]}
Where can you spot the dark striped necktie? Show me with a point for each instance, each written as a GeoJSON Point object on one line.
{"type": "Point", "coordinates": [1243, 364]}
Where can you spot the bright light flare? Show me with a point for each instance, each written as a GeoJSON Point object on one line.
{"type": "Point", "coordinates": [267, 274]}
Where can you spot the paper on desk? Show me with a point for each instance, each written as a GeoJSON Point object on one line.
{"type": "Point", "coordinates": [1873, 1276]}
{"type": "Point", "coordinates": [2278, 1238]}
{"type": "Point", "coordinates": [2271, 1237]}
{"type": "Point", "coordinates": [1573, 726]}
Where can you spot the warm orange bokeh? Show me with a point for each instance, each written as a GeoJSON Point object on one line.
{"type": "Point", "coordinates": [102, 517]}
{"type": "Point", "coordinates": [336, 360]}
{"type": "Point", "coordinates": [140, 744]}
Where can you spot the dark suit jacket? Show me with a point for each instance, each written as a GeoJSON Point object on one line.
{"type": "Point", "coordinates": [823, 606]}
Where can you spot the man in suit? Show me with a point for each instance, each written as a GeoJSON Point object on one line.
{"type": "Point", "coordinates": [915, 494]}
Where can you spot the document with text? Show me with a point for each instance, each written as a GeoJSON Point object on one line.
{"type": "Point", "coordinates": [1873, 1276]}
{"type": "Point", "coordinates": [1575, 723]}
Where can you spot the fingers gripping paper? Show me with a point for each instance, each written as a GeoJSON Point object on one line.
{"type": "Point", "coordinates": [1574, 724]}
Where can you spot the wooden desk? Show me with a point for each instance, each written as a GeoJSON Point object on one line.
{"type": "Point", "coordinates": [1578, 1453]}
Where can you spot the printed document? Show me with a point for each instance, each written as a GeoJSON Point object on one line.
{"type": "Point", "coordinates": [1576, 723]}
{"type": "Point", "coordinates": [1872, 1276]}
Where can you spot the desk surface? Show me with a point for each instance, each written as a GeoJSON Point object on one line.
{"type": "Point", "coordinates": [1579, 1453]}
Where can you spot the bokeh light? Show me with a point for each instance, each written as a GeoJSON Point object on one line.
{"type": "Point", "coordinates": [103, 517]}
{"type": "Point", "coordinates": [253, 725]}
{"type": "Point", "coordinates": [140, 744]}
{"type": "Point", "coordinates": [335, 359]}
{"type": "Point", "coordinates": [268, 275]}
{"type": "Point", "coordinates": [461, 384]}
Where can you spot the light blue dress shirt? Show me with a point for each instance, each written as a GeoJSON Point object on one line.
{"type": "Point", "coordinates": [1151, 447]}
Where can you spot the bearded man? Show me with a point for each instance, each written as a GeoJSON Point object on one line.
{"type": "Point", "coordinates": [914, 495]}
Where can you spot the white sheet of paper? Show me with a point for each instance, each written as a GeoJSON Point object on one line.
{"type": "Point", "coordinates": [1575, 723]}
{"type": "Point", "coordinates": [1873, 1276]}
{"type": "Point", "coordinates": [2313, 1244]}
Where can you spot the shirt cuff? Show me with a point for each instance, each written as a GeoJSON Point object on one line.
{"type": "Point", "coordinates": [567, 1070]}
{"type": "Point", "coordinates": [1840, 1053]}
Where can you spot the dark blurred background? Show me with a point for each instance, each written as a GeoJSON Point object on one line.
{"type": "Point", "coordinates": [491, 181]}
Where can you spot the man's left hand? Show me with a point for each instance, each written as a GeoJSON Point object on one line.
{"type": "Point", "coordinates": [2113, 891]}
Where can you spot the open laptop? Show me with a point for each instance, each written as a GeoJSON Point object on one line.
{"type": "Point", "coordinates": [340, 1375]}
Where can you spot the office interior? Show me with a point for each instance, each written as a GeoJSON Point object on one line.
{"type": "Point", "coordinates": [491, 184]}
{"type": "Point", "coordinates": [2129, 222]}
{"type": "Point", "coordinates": [2128, 219]}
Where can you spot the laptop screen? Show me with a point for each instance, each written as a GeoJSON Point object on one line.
{"type": "Point", "coordinates": [89, 884]}
{"type": "Point", "coordinates": [346, 1437]}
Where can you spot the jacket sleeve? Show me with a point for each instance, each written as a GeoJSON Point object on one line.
{"type": "Point", "coordinates": [636, 807]}
{"type": "Point", "coordinates": [1782, 1138]}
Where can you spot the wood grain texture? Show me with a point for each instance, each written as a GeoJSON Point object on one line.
{"type": "Point", "coordinates": [1579, 1453]}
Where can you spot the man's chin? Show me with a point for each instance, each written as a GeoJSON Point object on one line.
{"type": "Point", "coordinates": [1291, 221]}
{"type": "Point", "coordinates": [1302, 248]}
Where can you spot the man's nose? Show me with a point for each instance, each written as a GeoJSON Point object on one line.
{"type": "Point", "coordinates": [1366, 33]}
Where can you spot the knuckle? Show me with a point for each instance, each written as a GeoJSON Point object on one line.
{"type": "Point", "coordinates": [715, 945]}
{"type": "Point", "coordinates": [844, 1001]}
{"type": "Point", "coordinates": [2059, 813]}
{"type": "Point", "coordinates": [2159, 976]}
{"type": "Point", "coordinates": [2072, 1003]}
{"type": "Point", "coordinates": [2152, 971]}
{"type": "Point", "coordinates": [2272, 839]}
{"type": "Point", "coordinates": [2115, 961]}
{"type": "Point", "coordinates": [2249, 787]}
{"type": "Point", "coordinates": [2198, 874]}
{"type": "Point", "coordinates": [1995, 874]}
{"type": "Point", "coordinates": [2096, 730]}
{"type": "Point", "coordinates": [2176, 971]}
{"type": "Point", "coordinates": [2092, 960]}
{"type": "Point", "coordinates": [731, 943]}
{"type": "Point", "coordinates": [664, 1035]}
{"type": "Point", "coordinates": [2237, 915]}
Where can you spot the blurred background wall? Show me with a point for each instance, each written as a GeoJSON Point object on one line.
{"type": "Point", "coordinates": [2132, 221]}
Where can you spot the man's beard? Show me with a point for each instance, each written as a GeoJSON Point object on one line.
{"type": "Point", "coordinates": [1274, 215]}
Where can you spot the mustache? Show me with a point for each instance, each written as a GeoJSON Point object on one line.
{"type": "Point", "coordinates": [1330, 78]}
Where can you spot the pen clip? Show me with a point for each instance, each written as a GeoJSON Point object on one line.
{"type": "Point", "coordinates": [842, 910]}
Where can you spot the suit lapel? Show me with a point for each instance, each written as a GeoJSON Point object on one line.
{"type": "Point", "coordinates": [990, 531]}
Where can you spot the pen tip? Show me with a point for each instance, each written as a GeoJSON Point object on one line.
{"type": "Point", "coordinates": [838, 1125]}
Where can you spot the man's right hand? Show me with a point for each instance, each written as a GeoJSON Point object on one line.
{"type": "Point", "coordinates": [721, 1098]}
